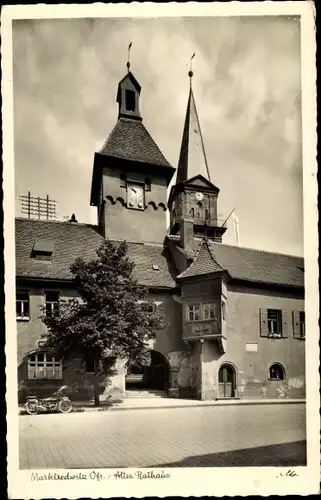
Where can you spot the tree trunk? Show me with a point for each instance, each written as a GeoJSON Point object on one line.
{"type": "Point", "coordinates": [96, 383]}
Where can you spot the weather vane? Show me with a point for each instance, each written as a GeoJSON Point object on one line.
{"type": "Point", "coordinates": [190, 73]}
{"type": "Point", "coordinates": [128, 56]}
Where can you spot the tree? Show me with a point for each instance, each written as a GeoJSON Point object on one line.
{"type": "Point", "coordinates": [112, 318]}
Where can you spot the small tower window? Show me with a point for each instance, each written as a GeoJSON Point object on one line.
{"type": "Point", "coordinates": [130, 100]}
{"type": "Point", "coordinates": [147, 185]}
{"type": "Point", "coordinates": [123, 180]}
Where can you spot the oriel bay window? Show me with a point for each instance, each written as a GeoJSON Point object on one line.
{"type": "Point", "coordinates": [52, 303]}
{"type": "Point", "coordinates": [43, 365]}
{"type": "Point", "coordinates": [22, 305]}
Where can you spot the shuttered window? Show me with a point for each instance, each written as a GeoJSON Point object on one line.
{"type": "Point", "coordinates": [274, 323]}
{"type": "Point", "coordinates": [298, 318]}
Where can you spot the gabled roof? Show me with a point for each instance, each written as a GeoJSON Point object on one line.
{"type": "Point", "coordinates": [129, 140]}
{"type": "Point", "coordinates": [128, 76]}
{"type": "Point", "coordinates": [192, 158]}
{"type": "Point", "coordinates": [72, 240]}
{"type": "Point", "coordinates": [204, 262]}
{"type": "Point", "coordinates": [196, 182]}
{"type": "Point", "coordinates": [255, 265]}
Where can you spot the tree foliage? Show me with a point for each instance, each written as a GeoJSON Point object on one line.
{"type": "Point", "coordinates": [112, 318]}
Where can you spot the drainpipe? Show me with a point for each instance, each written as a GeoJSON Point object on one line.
{"type": "Point", "coordinates": [201, 367]}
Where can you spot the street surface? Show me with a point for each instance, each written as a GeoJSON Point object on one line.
{"type": "Point", "coordinates": [175, 437]}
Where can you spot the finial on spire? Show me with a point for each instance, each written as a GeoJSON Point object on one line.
{"type": "Point", "coordinates": [128, 57]}
{"type": "Point", "coordinates": [190, 73]}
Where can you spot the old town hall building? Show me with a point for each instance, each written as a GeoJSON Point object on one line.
{"type": "Point", "coordinates": [235, 324]}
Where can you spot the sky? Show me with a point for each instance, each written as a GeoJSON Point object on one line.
{"type": "Point", "coordinates": [247, 90]}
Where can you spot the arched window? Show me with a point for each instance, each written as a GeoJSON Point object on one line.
{"type": "Point", "coordinates": [43, 365]}
{"type": "Point", "coordinates": [276, 372]}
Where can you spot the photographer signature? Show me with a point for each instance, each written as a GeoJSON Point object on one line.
{"type": "Point", "coordinates": [289, 473]}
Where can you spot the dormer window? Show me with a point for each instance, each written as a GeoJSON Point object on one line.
{"type": "Point", "coordinates": [42, 250]}
{"type": "Point", "coordinates": [130, 100]}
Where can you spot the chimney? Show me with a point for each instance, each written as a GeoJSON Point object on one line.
{"type": "Point", "coordinates": [73, 218]}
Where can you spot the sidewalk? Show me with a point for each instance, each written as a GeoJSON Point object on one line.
{"type": "Point", "coordinates": [165, 403]}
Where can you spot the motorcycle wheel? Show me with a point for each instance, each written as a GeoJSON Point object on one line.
{"type": "Point", "coordinates": [65, 406]}
{"type": "Point", "coordinates": [32, 408]}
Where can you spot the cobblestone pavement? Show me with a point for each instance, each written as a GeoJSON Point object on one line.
{"type": "Point", "coordinates": [176, 437]}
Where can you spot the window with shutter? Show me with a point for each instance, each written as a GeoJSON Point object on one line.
{"type": "Point", "coordinates": [263, 323]}
{"type": "Point", "coordinates": [298, 320]}
{"type": "Point", "coordinates": [274, 323]}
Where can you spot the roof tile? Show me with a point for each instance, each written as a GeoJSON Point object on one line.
{"type": "Point", "coordinates": [130, 140]}
{"type": "Point", "coordinates": [204, 262]}
{"type": "Point", "coordinates": [255, 265]}
{"type": "Point", "coordinates": [82, 240]}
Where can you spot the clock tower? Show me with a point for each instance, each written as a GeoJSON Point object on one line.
{"type": "Point", "coordinates": [131, 175]}
{"type": "Point", "coordinates": [193, 199]}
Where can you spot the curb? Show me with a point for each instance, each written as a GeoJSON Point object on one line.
{"type": "Point", "coordinates": [79, 409]}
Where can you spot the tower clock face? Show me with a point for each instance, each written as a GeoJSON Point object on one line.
{"type": "Point", "coordinates": [135, 196]}
{"type": "Point", "coordinates": [199, 196]}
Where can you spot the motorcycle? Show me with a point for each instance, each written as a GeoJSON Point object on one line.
{"type": "Point", "coordinates": [56, 402]}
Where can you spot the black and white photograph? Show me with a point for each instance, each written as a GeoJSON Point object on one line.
{"type": "Point", "coordinates": [161, 304]}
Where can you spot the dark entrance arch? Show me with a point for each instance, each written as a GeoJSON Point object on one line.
{"type": "Point", "coordinates": [227, 381]}
{"type": "Point", "coordinates": [153, 377]}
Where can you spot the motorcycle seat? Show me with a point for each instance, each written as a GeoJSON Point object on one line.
{"type": "Point", "coordinates": [51, 398]}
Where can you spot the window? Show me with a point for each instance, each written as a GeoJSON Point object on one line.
{"type": "Point", "coordinates": [130, 100]}
{"type": "Point", "coordinates": [123, 180]}
{"type": "Point", "coordinates": [52, 303]}
{"type": "Point", "coordinates": [200, 210]}
{"type": "Point", "coordinates": [299, 325]}
{"type": "Point", "coordinates": [22, 305]}
{"type": "Point", "coordinates": [274, 323]}
{"type": "Point", "coordinates": [302, 324]}
{"type": "Point", "coordinates": [198, 312]}
{"type": "Point", "coordinates": [223, 310]}
{"type": "Point", "coordinates": [89, 365]}
{"type": "Point", "coordinates": [148, 185]}
{"type": "Point", "coordinates": [194, 312]}
{"type": "Point", "coordinates": [276, 372]}
{"type": "Point", "coordinates": [209, 311]}
{"type": "Point", "coordinates": [42, 250]}
{"type": "Point", "coordinates": [43, 365]}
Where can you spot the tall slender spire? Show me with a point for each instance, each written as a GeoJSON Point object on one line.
{"type": "Point", "coordinates": [192, 158]}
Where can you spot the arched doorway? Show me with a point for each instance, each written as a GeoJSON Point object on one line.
{"type": "Point", "coordinates": [154, 377]}
{"type": "Point", "coordinates": [227, 381]}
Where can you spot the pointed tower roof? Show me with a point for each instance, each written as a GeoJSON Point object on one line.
{"type": "Point", "coordinates": [192, 158]}
{"type": "Point", "coordinates": [204, 262]}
